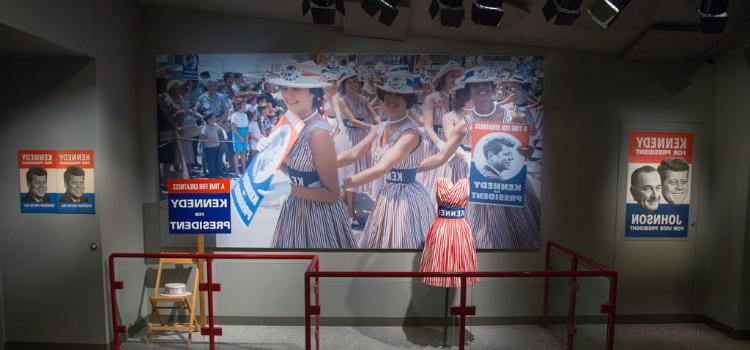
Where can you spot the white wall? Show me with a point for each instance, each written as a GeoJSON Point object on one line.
{"type": "Point", "coordinates": [725, 263]}
{"type": "Point", "coordinates": [120, 176]}
{"type": "Point", "coordinates": [586, 95]}
{"type": "Point", "coordinates": [67, 23]}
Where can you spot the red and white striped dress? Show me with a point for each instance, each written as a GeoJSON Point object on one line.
{"type": "Point", "coordinates": [305, 223]}
{"type": "Point", "coordinates": [450, 244]}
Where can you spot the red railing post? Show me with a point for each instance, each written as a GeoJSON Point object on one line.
{"type": "Point", "coordinates": [611, 314]}
{"type": "Point", "coordinates": [545, 305]}
{"type": "Point", "coordinates": [307, 311]}
{"type": "Point", "coordinates": [113, 300]}
{"type": "Point", "coordinates": [573, 285]}
{"type": "Point", "coordinates": [317, 302]}
{"type": "Point", "coordinates": [462, 316]}
{"type": "Point", "coordinates": [210, 281]}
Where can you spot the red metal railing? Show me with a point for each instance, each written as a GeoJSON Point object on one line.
{"type": "Point", "coordinates": [463, 310]}
{"type": "Point", "coordinates": [209, 287]}
{"type": "Point", "coordinates": [313, 272]}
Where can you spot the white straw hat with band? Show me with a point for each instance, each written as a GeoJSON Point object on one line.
{"type": "Point", "coordinates": [398, 83]}
{"type": "Point", "coordinates": [305, 75]}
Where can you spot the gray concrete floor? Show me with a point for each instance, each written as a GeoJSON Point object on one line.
{"type": "Point", "coordinates": [688, 336]}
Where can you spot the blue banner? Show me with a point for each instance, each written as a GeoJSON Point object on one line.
{"type": "Point", "coordinates": [495, 191]}
{"type": "Point", "coordinates": [666, 221]}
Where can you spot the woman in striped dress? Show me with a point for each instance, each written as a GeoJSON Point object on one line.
{"type": "Point", "coordinates": [314, 216]}
{"type": "Point", "coordinates": [357, 117]}
{"type": "Point", "coordinates": [498, 227]}
{"type": "Point", "coordinates": [460, 114]}
{"type": "Point", "coordinates": [434, 107]}
{"type": "Point", "coordinates": [399, 218]}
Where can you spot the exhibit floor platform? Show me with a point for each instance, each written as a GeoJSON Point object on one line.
{"type": "Point", "coordinates": [684, 336]}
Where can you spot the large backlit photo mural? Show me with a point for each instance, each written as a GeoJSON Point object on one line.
{"type": "Point", "coordinates": [344, 151]}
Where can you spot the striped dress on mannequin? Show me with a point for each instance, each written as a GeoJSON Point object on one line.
{"type": "Point", "coordinates": [352, 135]}
{"type": "Point", "coordinates": [399, 218]}
{"type": "Point", "coordinates": [305, 223]}
{"type": "Point", "coordinates": [450, 245]}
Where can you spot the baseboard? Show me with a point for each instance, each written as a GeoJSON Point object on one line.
{"type": "Point", "coordinates": [739, 334]}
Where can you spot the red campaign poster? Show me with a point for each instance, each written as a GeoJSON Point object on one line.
{"type": "Point", "coordinates": [53, 181]}
{"type": "Point", "coordinates": [659, 178]}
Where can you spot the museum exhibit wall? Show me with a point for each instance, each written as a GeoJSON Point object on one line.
{"type": "Point", "coordinates": [587, 95]}
{"type": "Point", "coordinates": [107, 104]}
{"type": "Point", "coordinates": [54, 285]}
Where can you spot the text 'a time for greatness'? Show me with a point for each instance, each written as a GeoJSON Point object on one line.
{"type": "Point", "coordinates": [199, 203]}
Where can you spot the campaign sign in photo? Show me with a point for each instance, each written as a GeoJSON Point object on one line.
{"type": "Point", "coordinates": [199, 206]}
{"type": "Point", "coordinates": [498, 169]}
{"type": "Point", "coordinates": [659, 175]}
{"type": "Point", "coordinates": [190, 66]}
{"type": "Point", "coordinates": [54, 181]}
{"type": "Point", "coordinates": [246, 193]}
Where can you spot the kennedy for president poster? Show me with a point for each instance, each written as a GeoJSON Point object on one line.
{"type": "Point", "coordinates": [659, 175]}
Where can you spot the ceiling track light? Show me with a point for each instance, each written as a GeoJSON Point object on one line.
{"type": "Point", "coordinates": [565, 12]}
{"type": "Point", "coordinates": [487, 12]}
{"type": "Point", "coordinates": [604, 12]}
{"type": "Point", "coordinates": [451, 12]}
{"type": "Point", "coordinates": [323, 11]}
{"type": "Point", "coordinates": [713, 15]}
{"type": "Point", "coordinates": [388, 9]}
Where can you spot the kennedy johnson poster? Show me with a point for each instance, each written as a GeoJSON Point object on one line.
{"type": "Point", "coordinates": [659, 178]}
{"type": "Point", "coordinates": [303, 140]}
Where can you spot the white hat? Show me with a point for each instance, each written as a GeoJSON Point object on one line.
{"type": "Point", "coordinates": [479, 74]}
{"type": "Point", "coordinates": [446, 68]}
{"type": "Point", "coordinates": [398, 83]}
{"type": "Point", "coordinates": [348, 73]}
{"type": "Point", "coordinates": [457, 86]}
{"type": "Point", "coordinates": [331, 72]}
{"type": "Point", "coordinates": [305, 75]}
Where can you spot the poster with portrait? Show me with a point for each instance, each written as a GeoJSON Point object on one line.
{"type": "Point", "coordinates": [289, 132]}
{"type": "Point", "coordinates": [54, 181]}
{"type": "Point", "coordinates": [658, 185]}
{"type": "Point", "coordinates": [498, 169]}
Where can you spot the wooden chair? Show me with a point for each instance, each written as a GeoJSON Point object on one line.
{"type": "Point", "coordinates": [185, 302]}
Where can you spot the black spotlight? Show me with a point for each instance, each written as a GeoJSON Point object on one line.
{"type": "Point", "coordinates": [567, 11]}
{"type": "Point", "coordinates": [388, 9]}
{"type": "Point", "coordinates": [487, 12]}
{"type": "Point", "coordinates": [713, 15]}
{"type": "Point", "coordinates": [604, 12]}
{"type": "Point", "coordinates": [451, 12]}
{"type": "Point", "coordinates": [323, 11]}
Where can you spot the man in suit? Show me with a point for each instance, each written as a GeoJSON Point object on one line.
{"type": "Point", "coordinates": [500, 154]}
{"type": "Point", "coordinates": [74, 186]}
{"type": "Point", "coordinates": [36, 179]}
{"type": "Point", "coordinates": [645, 187]}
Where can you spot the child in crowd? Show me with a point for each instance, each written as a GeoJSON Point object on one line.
{"type": "Point", "coordinates": [210, 135]}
